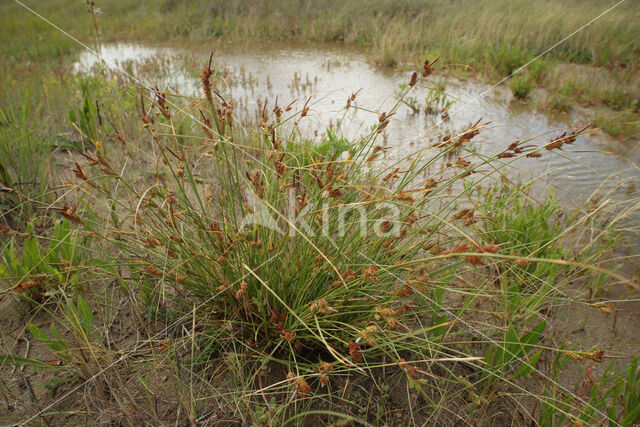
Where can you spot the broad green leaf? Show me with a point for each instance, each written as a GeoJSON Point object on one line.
{"type": "Point", "coordinates": [513, 349]}
{"type": "Point", "coordinates": [534, 335]}
{"type": "Point", "coordinates": [56, 344]}
{"type": "Point", "coordinates": [489, 356]}
{"type": "Point", "coordinates": [527, 367]}
{"type": "Point", "coordinates": [31, 254]}
{"type": "Point", "coordinates": [86, 315]}
{"type": "Point", "coordinates": [37, 333]}
{"type": "Point", "coordinates": [9, 360]}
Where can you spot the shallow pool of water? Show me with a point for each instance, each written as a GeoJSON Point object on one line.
{"type": "Point", "coordinates": [594, 164]}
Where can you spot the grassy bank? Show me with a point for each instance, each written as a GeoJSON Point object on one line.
{"type": "Point", "coordinates": [168, 259]}
{"type": "Point", "coordinates": [462, 31]}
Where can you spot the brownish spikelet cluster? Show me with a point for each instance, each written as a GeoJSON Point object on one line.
{"type": "Point", "coordinates": [348, 275]}
{"type": "Point", "coordinates": [414, 79]}
{"type": "Point", "coordinates": [554, 143]}
{"type": "Point", "coordinates": [279, 165]}
{"type": "Point", "coordinates": [286, 335]}
{"type": "Point", "coordinates": [257, 184]}
{"type": "Point", "coordinates": [305, 108]}
{"type": "Point", "coordinates": [491, 248]}
{"type": "Point", "coordinates": [352, 98]}
{"type": "Point", "coordinates": [205, 78]}
{"type": "Point", "coordinates": [80, 174]}
{"type": "Point", "coordinates": [323, 369]}
{"type": "Point", "coordinates": [354, 351]}
{"type": "Point", "coordinates": [368, 334]}
{"type": "Point", "coordinates": [468, 213]}
{"type": "Point", "coordinates": [606, 308]}
{"type": "Point", "coordinates": [277, 111]}
{"type": "Point", "coordinates": [410, 219]}
{"type": "Point", "coordinates": [25, 286]}
{"type": "Point", "coordinates": [404, 196]}
{"type": "Point", "coordinates": [370, 273]}
{"type": "Point", "coordinates": [469, 216]}
{"type": "Point", "coordinates": [462, 163]}
{"type": "Point", "coordinates": [321, 306]}
{"type": "Point", "coordinates": [6, 231]}
{"type": "Point", "coordinates": [390, 175]}
{"type": "Point", "coordinates": [388, 242]}
{"type": "Point", "coordinates": [427, 68]}
{"type": "Point", "coordinates": [405, 291]}
{"type": "Point", "coordinates": [335, 193]}
{"type": "Point", "coordinates": [152, 271]}
{"type": "Point", "coordinates": [474, 260]}
{"type": "Point", "coordinates": [275, 143]}
{"type": "Point", "coordinates": [463, 247]}
{"type": "Point", "coordinates": [69, 213]}
{"type": "Point", "coordinates": [411, 370]}
{"type": "Point", "coordinates": [300, 384]}
{"type": "Point", "coordinates": [596, 356]}
{"type": "Point", "coordinates": [161, 102]}
{"type": "Point", "coordinates": [383, 119]}
{"type": "Point", "coordinates": [329, 174]}
{"type": "Point", "coordinates": [151, 243]}
{"type": "Point", "coordinates": [573, 355]}
{"type": "Point", "coordinates": [386, 226]}
{"type": "Point", "coordinates": [565, 138]}
{"type": "Point", "coordinates": [467, 135]}
{"type": "Point", "coordinates": [389, 316]}
{"type": "Point", "coordinates": [429, 186]}
{"type": "Point", "coordinates": [241, 294]}
{"type": "Point", "coordinates": [471, 132]}
{"type": "Point", "coordinates": [515, 148]}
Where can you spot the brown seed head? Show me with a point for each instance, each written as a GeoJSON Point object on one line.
{"type": "Point", "coordinates": [404, 196]}
{"type": "Point", "coordinates": [370, 273]}
{"type": "Point", "coordinates": [321, 306]}
{"type": "Point", "coordinates": [69, 213]}
{"type": "Point", "coordinates": [152, 271]}
{"type": "Point", "coordinates": [414, 79]}
{"type": "Point", "coordinates": [242, 292]}
{"type": "Point", "coordinates": [354, 351]}
{"type": "Point", "coordinates": [411, 370]}
{"type": "Point", "coordinates": [596, 356]}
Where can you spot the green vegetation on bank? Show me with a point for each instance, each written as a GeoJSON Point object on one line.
{"type": "Point", "coordinates": [502, 33]}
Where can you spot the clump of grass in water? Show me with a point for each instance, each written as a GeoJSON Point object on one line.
{"type": "Point", "coordinates": [381, 290]}
{"type": "Point", "coordinates": [522, 85]}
